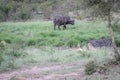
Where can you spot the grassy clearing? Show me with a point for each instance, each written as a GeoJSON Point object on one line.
{"type": "Point", "coordinates": [42, 33]}
{"type": "Point", "coordinates": [52, 55]}
{"type": "Point", "coordinates": [44, 56]}
{"type": "Point", "coordinates": [20, 36]}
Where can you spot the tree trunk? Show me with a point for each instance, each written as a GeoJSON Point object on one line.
{"type": "Point", "coordinates": [117, 55]}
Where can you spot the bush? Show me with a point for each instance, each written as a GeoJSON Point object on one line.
{"type": "Point", "coordinates": [90, 68]}
{"type": "Point", "coordinates": [103, 69]}
{"type": "Point", "coordinates": [15, 53]}
{"type": "Point", "coordinates": [23, 13]}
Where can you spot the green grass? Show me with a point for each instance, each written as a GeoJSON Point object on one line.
{"type": "Point", "coordinates": [19, 36]}
{"type": "Point", "coordinates": [42, 33]}
{"type": "Point", "coordinates": [44, 56]}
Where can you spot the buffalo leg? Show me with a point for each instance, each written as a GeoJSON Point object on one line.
{"type": "Point", "coordinates": [54, 26]}
{"type": "Point", "coordinates": [64, 27]}
{"type": "Point", "coordinates": [59, 27]}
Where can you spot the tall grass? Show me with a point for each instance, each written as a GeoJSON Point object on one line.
{"type": "Point", "coordinates": [42, 33]}
{"type": "Point", "coordinates": [49, 55]}
{"type": "Point", "coordinates": [8, 56]}
{"type": "Point", "coordinates": [20, 36]}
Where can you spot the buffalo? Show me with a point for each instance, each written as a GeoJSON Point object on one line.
{"type": "Point", "coordinates": [62, 20]}
{"type": "Point", "coordinates": [101, 43]}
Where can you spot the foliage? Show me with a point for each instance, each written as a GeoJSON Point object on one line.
{"type": "Point", "coordinates": [9, 53]}
{"type": "Point", "coordinates": [104, 8]}
{"type": "Point", "coordinates": [116, 26]}
{"type": "Point", "coordinates": [15, 10]}
{"type": "Point", "coordinates": [45, 55]}
{"type": "Point", "coordinates": [24, 13]}
{"type": "Point", "coordinates": [117, 41]}
{"type": "Point", "coordinates": [103, 69]}
{"type": "Point", "coordinates": [101, 7]}
{"type": "Point", "coordinates": [90, 68]}
{"type": "Point", "coordinates": [27, 9]}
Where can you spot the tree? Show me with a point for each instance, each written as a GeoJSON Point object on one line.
{"type": "Point", "coordinates": [104, 8]}
{"type": "Point", "coordinates": [17, 9]}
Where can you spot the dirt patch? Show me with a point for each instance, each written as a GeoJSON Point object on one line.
{"type": "Point", "coordinates": [73, 71]}
{"type": "Point", "coordinates": [45, 73]}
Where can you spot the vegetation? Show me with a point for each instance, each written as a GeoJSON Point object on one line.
{"type": "Point", "coordinates": [104, 8]}
{"type": "Point", "coordinates": [43, 34]}
{"type": "Point", "coordinates": [43, 56]}
{"type": "Point", "coordinates": [9, 54]}
{"type": "Point", "coordinates": [18, 42]}
{"type": "Point", "coordinates": [26, 42]}
{"type": "Point", "coordinates": [90, 68]}
{"type": "Point", "coordinates": [17, 10]}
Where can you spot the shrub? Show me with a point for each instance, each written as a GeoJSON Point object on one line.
{"type": "Point", "coordinates": [22, 13]}
{"type": "Point", "coordinates": [15, 53]}
{"type": "Point", "coordinates": [90, 68]}
{"type": "Point", "coordinates": [103, 69]}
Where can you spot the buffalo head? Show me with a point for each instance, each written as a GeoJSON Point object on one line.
{"type": "Point", "coordinates": [72, 22]}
